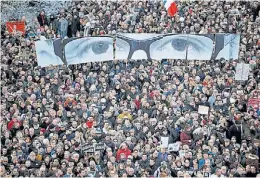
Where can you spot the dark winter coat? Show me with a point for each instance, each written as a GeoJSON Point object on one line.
{"type": "Point", "coordinates": [75, 26]}
{"type": "Point", "coordinates": [42, 20]}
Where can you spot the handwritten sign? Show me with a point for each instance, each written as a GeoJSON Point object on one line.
{"type": "Point", "coordinates": [88, 148]}
{"type": "Point", "coordinates": [99, 146]}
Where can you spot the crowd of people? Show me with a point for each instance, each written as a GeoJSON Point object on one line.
{"type": "Point", "coordinates": [48, 115]}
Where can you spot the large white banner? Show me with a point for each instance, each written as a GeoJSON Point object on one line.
{"type": "Point", "coordinates": [134, 46]}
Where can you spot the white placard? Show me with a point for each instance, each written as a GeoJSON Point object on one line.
{"type": "Point", "coordinates": [203, 110]}
{"type": "Point", "coordinates": [164, 142]}
{"type": "Point", "coordinates": [242, 71]}
{"type": "Point", "coordinates": [174, 147]}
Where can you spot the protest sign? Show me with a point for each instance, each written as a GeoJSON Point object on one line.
{"type": "Point", "coordinates": [242, 71]}
{"type": "Point", "coordinates": [254, 100]}
{"type": "Point", "coordinates": [254, 103]}
{"type": "Point", "coordinates": [164, 142]}
{"type": "Point", "coordinates": [99, 146]}
{"type": "Point", "coordinates": [174, 147]}
{"type": "Point", "coordinates": [203, 110]}
{"type": "Point", "coordinates": [88, 148]}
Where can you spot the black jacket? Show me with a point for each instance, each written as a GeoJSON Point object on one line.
{"type": "Point", "coordinates": [235, 131]}
{"type": "Point", "coordinates": [75, 26]}
{"type": "Point", "coordinates": [42, 20]}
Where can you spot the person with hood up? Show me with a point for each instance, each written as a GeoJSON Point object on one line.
{"type": "Point", "coordinates": [123, 150]}
{"type": "Point", "coordinates": [185, 136]}
{"type": "Point", "coordinates": [235, 131]}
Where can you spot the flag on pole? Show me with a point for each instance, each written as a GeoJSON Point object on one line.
{"type": "Point", "coordinates": [171, 7]}
{"type": "Point", "coordinates": [15, 26]}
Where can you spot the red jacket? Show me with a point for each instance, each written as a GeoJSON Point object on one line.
{"type": "Point", "coordinates": [12, 122]}
{"type": "Point", "coordinates": [184, 137]}
{"type": "Point", "coordinates": [137, 103]}
{"type": "Point", "coordinates": [126, 151]}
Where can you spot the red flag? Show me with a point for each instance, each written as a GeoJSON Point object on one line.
{"type": "Point", "coordinates": [15, 26]}
{"type": "Point", "coordinates": [172, 10]}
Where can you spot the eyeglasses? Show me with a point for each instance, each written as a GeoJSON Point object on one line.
{"type": "Point", "coordinates": [132, 46]}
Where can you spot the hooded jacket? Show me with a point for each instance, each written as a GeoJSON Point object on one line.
{"type": "Point", "coordinates": [126, 152]}
{"type": "Point", "coordinates": [235, 131]}
{"type": "Point", "coordinates": [42, 20]}
{"type": "Point", "coordinates": [185, 137]}
{"type": "Point", "coordinates": [63, 24]}
{"type": "Point", "coordinates": [75, 26]}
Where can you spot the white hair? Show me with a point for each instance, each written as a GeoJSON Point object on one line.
{"type": "Point", "coordinates": [46, 141]}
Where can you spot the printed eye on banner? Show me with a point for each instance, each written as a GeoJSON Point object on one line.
{"type": "Point", "coordinates": [169, 47]}
{"type": "Point", "coordinates": [199, 47]}
{"type": "Point", "coordinates": [182, 47]}
{"type": "Point", "coordinates": [88, 49]}
{"type": "Point", "coordinates": [49, 52]}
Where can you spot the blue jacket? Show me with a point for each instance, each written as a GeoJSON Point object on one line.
{"type": "Point", "coordinates": [63, 24]}
{"type": "Point", "coordinates": [162, 157]}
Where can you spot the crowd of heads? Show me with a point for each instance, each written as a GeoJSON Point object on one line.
{"type": "Point", "coordinates": [126, 118]}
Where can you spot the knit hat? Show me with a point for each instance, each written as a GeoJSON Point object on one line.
{"type": "Point", "coordinates": [51, 126]}
{"type": "Point", "coordinates": [43, 130]}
